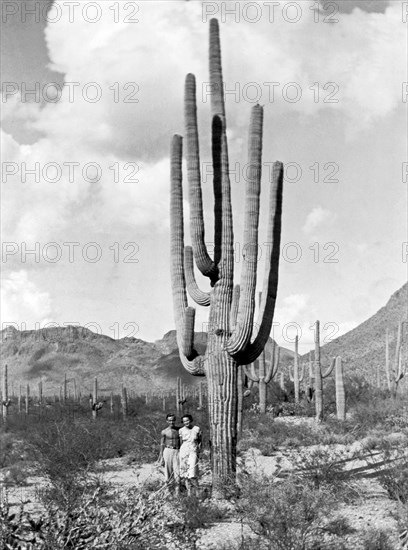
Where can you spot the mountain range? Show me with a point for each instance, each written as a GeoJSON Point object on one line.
{"type": "Point", "coordinates": [51, 353]}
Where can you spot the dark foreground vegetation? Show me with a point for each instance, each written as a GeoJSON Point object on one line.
{"type": "Point", "coordinates": [296, 508]}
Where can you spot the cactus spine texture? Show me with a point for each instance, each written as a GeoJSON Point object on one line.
{"type": "Point", "coordinates": [229, 343]}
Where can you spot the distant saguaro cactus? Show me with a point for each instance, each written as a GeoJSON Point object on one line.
{"type": "Point", "coordinates": [124, 402]}
{"type": "Point", "coordinates": [296, 377]}
{"type": "Point", "coordinates": [5, 395]}
{"type": "Point", "coordinates": [319, 376]}
{"type": "Point", "coordinates": [399, 370]}
{"type": "Point", "coordinates": [227, 347]}
{"type": "Point", "coordinates": [310, 388]}
{"type": "Point", "coordinates": [180, 395]}
{"type": "Point", "coordinates": [340, 392]}
{"type": "Point", "coordinates": [267, 370]}
{"type": "Point", "coordinates": [96, 405]}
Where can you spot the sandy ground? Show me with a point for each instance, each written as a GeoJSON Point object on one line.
{"type": "Point", "coordinates": [374, 508]}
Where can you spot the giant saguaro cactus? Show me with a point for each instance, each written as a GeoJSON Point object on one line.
{"type": "Point", "coordinates": [296, 377]}
{"type": "Point", "coordinates": [230, 342]}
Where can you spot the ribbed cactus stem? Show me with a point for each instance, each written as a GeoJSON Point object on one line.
{"type": "Point", "coordinates": [242, 333]}
{"type": "Point", "coordinates": [399, 371]}
{"type": "Point", "coordinates": [240, 399]}
{"type": "Point", "coordinates": [318, 376]}
{"type": "Point", "coordinates": [282, 383]}
{"type": "Point", "coordinates": [203, 260]}
{"type": "Point", "coordinates": [5, 394]}
{"type": "Point", "coordinates": [387, 359]}
{"type": "Point", "coordinates": [296, 378]}
{"type": "Point", "coordinates": [340, 392]}
{"type": "Point", "coordinates": [200, 396]}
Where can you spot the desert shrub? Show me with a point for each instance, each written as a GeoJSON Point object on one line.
{"type": "Point", "coordinates": [324, 468]}
{"type": "Point", "coordinates": [267, 434]}
{"type": "Point", "coordinates": [376, 539]}
{"type": "Point", "coordinates": [11, 451]}
{"type": "Point", "coordinates": [138, 520]}
{"type": "Point", "coordinates": [395, 479]}
{"type": "Point", "coordinates": [289, 515]}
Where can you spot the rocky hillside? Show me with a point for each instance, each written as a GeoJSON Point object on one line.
{"type": "Point", "coordinates": [363, 348]}
{"type": "Point", "coordinates": [49, 354]}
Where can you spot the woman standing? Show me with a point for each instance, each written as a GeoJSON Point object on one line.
{"type": "Point", "coordinates": [190, 440]}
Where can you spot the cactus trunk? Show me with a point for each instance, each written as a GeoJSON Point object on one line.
{"type": "Point", "coordinates": [5, 396]}
{"type": "Point", "coordinates": [318, 376]}
{"type": "Point", "coordinates": [387, 359]}
{"type": "Point", "coordinates": [340, 393]}
{"type": "Point", "coordinates": [222, 400]}
{"type": "Point", "coordinates": [124, 399]}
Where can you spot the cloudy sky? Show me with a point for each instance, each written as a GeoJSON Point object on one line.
{"type": "Point", "coordinates": [85, 155]}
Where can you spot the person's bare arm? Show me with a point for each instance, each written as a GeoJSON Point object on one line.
{"type": "Point", "coordinates": [162, 447]}
{"type": "Point", "coordinates": [199, 442]}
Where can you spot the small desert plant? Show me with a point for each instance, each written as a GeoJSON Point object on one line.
{"type": "Point", "coordinates": [395, 478]}
{"type": "Point", "coordinates": [324, 468]}
{"type": "Point", "coordinates": [288, 515]}
{"type": "Point", "coordinates": [139, 520]}
{"type": "Point", "coordinates": [376, 539]}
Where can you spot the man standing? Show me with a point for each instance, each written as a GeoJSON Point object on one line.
{"type": "Point", "coordinates": [169, 453]}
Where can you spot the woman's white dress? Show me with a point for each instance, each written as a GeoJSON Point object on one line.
{"type": "Point", "coordinates": [188, 451]}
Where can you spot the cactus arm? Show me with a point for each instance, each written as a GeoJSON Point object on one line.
{"type": "Point", "coordinates": [276, 361]}
{"type": "Point", "coordinates": [242, 334]}
{"type": "Point", "coordinates": [202, 258]}
{"type": "Point", "coordinates": [251, 373]}
{"type": "Point", "coordinates": [219, 147]}
{"type": "Point", "coordinates": [302, 375]}
{"type": "Point", "coordinates": [329, 368]}
{"type": "Point", "coordinates": [263, 327]}
{"type": "Point", "coordinates": [226, 261]}
{"type": "Point", "coordinates": [216, 81]}
{"type": "Point", "coordinates": [272, 366]}
{"type": "Point", "coordinates": [184, 317]}
{"type": "Point", "coordinates": [201, 298]}
{"type": "Point", "coordinates": [234, 306]}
